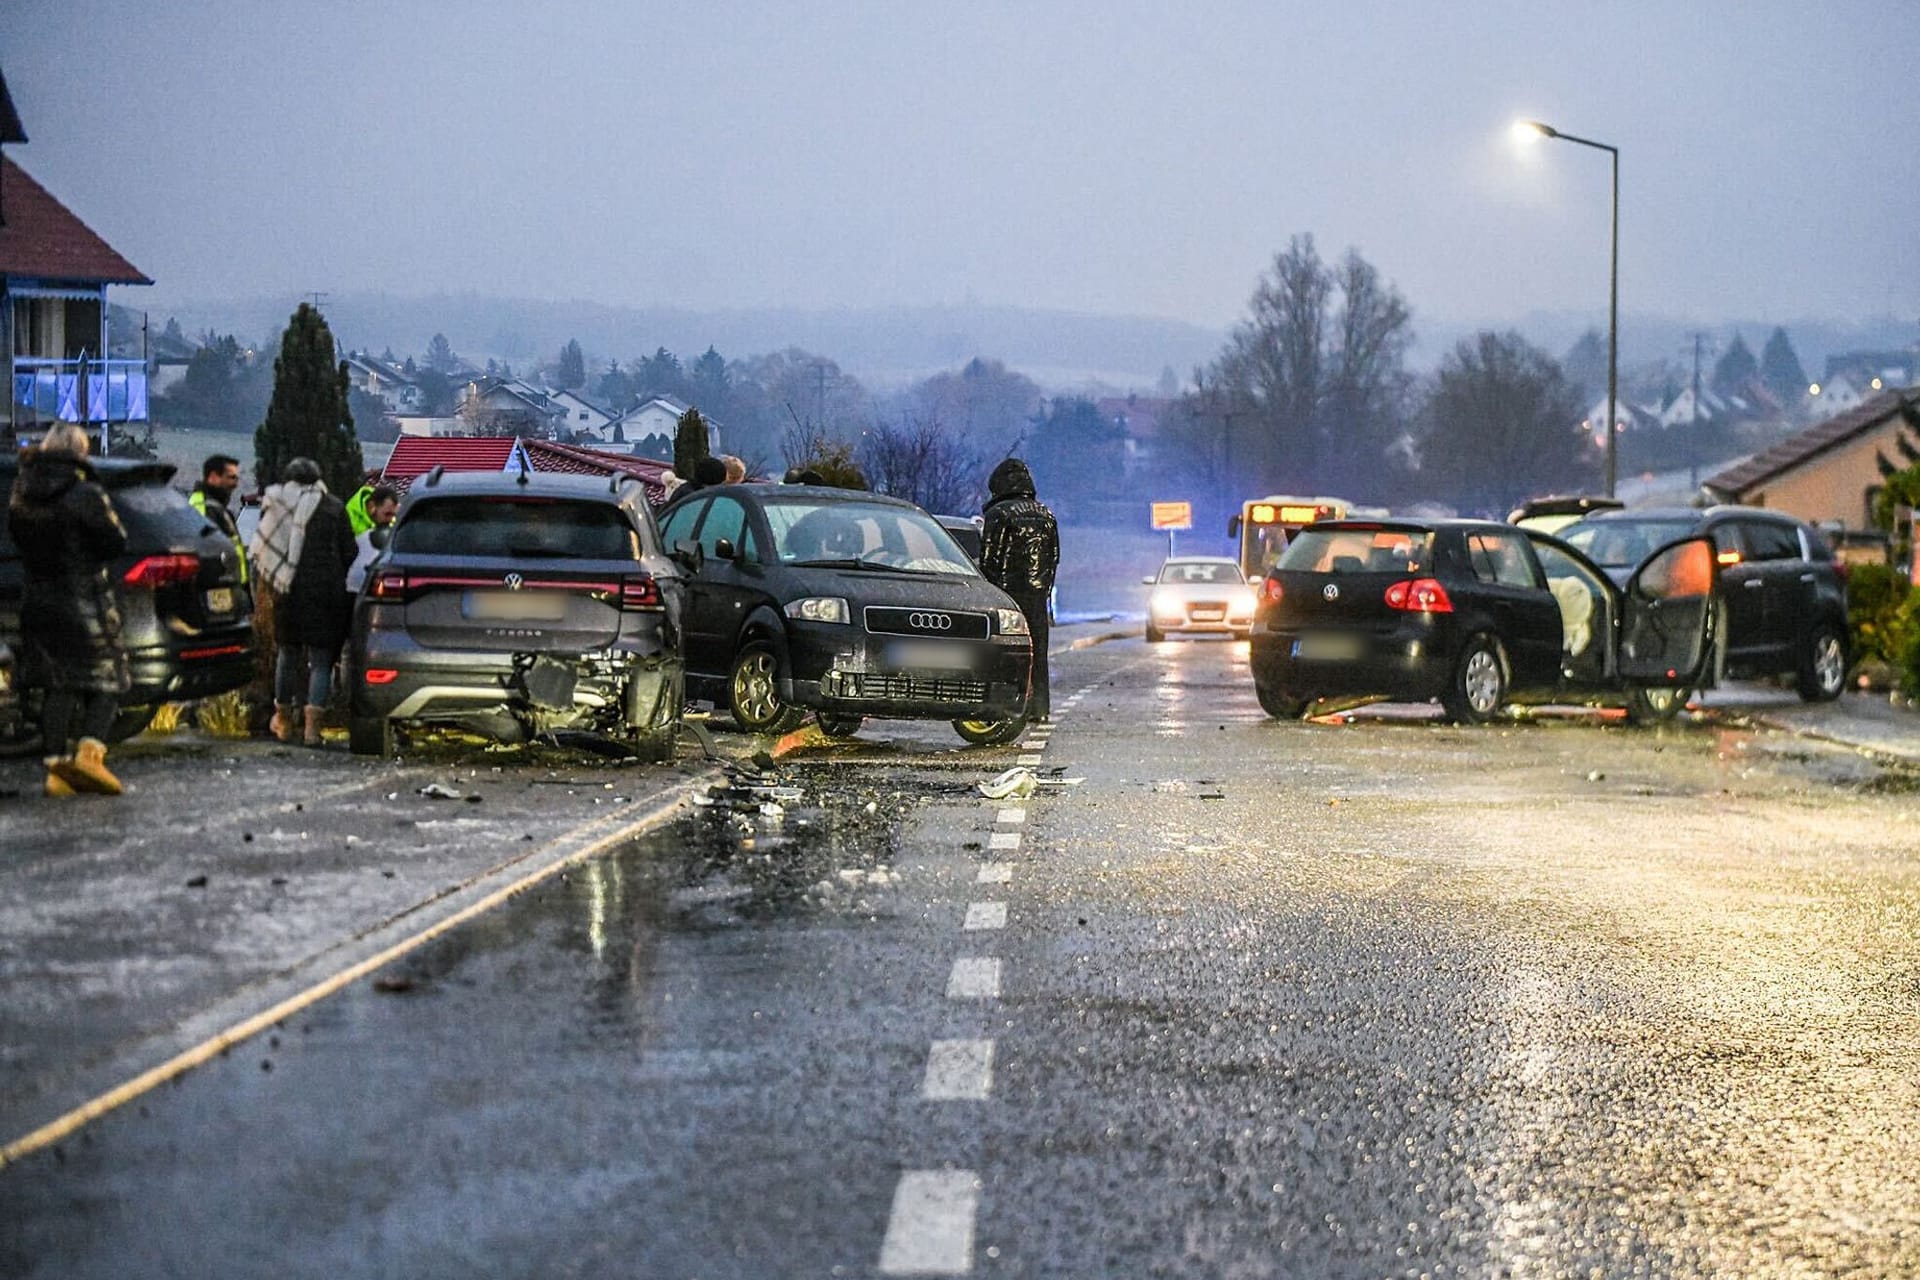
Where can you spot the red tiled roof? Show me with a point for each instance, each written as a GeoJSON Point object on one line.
{"type": "Point", "coordinates": [414, 456]}
{"type": "Point", "coordinates": [1869, 415]}
{"type": "Point", "coordinates": [42, 239]}
{"type": "Point", "coordinates": [575, 460]}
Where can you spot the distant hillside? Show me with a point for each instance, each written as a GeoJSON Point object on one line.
{"type": "Point", "coordinates": [1059, 349]}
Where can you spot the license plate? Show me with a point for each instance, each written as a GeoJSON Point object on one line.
{"type": "Point", "coordinates": [220, 600]}
{"type": "Point", "coordinates": [1327, 648]}
{"type": "Point", "coordinates": [1209, 615]}
{"type": "Point", "coordinates": [515, 606]}
{"type": "Point", "coordinates": [919, 656]}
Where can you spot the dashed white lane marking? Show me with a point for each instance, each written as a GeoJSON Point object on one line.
{"type": "Point", "coordinates": [1030, 758]}
{"type": "Point", "coordinates": [1011, 817]}
{"type": "Point", "coordinates": [986, 915]}
{"type": "Point", "coordinates": [974, 978]}
{"type": "Point", "coordinates": [994, 873]}
{"type": "Point", "coordinates": [959, 1071]}
{"type": "Point", "coordinates": [930, 1232]}
{"type": "Point", "coordinates": [1004, 840]}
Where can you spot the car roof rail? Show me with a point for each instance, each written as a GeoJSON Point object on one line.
{"type": "Point", "coordinates": [433, 476]}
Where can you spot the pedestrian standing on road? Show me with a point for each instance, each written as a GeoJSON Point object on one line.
{"type": "Point", "coordinates": [1019, 553]}
{"type": "Point", "coordinates": [383, 505]}
{"type": "Point", "coordinates": [219, 479]}
{"type": "Point", "coordinates": [67, 534]}
{"type": "Point", "coordinates": [359, 505]}
{"type": "Point", "coordinates": [301, 550]}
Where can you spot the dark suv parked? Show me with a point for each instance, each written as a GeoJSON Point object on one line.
{"type": "Point", "coordinates": [186, 619]}
{"type": "Point", "coordinates": [517, 605]}
{"type": "Point", "coordinates": [1782, 592]}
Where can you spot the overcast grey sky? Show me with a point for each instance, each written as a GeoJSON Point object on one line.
{"type": "Point", "coordinates": [1128, 158]}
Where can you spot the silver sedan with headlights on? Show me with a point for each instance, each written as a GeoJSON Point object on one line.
{"type": "Point", "coordinates": [1199, 595]}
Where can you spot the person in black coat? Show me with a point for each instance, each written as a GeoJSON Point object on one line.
{"type": "Point", "coordinates": [303, 547]}
{"type": "Point", "coordinates": [1020, 553]}
{"type": "Point", "coordinates": [68, 535]}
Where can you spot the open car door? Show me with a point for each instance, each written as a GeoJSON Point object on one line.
{"type": "Point", "coordinates": [1666, 636]}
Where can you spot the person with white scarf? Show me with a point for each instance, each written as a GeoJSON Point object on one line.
{"type": "Point", "coordinates": [301, 551]}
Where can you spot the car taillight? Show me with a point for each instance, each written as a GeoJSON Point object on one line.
{"type": "Point", "coordinates": [381, 675]}
{"type": "Point", "coordinates": [639, 593]}
{"type": "Point", "coordinates": [388, 586]}
{"type": "Point", "coordinates": [1419, 595]}
{"type": "Point", "coordinates": [1271, 591]}
{"type": "Point", "coordinates": [162, 571]}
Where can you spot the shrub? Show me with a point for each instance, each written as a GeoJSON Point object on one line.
{"type": "Point", "coordinates": [1876, 594]}
{"type": "Point", "coordinates": [1904, 644]}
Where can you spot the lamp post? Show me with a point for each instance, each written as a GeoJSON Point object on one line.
{"type": "Point", "coordinates": [1533, 128]}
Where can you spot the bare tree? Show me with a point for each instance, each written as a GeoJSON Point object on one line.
{"type": "Point", "coordinates": [1501, 425]}
{"type": "Point", "coordinates": [920, 462]}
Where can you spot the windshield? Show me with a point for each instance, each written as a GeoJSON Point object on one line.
{"type": "Point", "coordinates": [539, 528]}
{"type": "Point", "coordinates": [1616, 544]}
{"type": "Point", "coordinates": [815, 532]}
{"type": "Point", "coordinates": [1400, 551]}
{"type": "Point", "coordinates": [1210, 573]}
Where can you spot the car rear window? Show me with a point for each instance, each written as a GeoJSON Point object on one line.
{"type": "Point", "coordinates": [503, 527]}
{"type": "Point", "coordinates": [1399, 551]}
{"type": "Point", "coordinates": [1617, 543]}
{"type": "Point", "coordinates": [156, 516]}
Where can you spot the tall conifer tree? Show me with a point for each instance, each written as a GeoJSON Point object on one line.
{"type": "Point", "coordinates": [308, 415]}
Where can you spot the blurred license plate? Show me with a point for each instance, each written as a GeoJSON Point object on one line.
{"type": "Point", "coordinates": [1209, 615]}
{"type": "Point", "coordinates": [1327, 648]}
{"type": "Point", "coordinates": [220, 600]}
{"type": "Point", "coordinates": [905, 654]}
{"type": "Point", "coordinates": [516, 606]}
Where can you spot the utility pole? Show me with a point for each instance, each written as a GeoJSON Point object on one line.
{"type": "Point", "coordinates": [1693, 427]}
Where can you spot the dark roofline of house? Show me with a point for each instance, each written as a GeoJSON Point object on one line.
{"type": "Point", "coordinates": [1822, 437]}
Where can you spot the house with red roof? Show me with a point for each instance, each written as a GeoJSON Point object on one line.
{"type": "Point", "coordinates": [415, 456]}
{"type": "Point", "coordinates": [54, 276]}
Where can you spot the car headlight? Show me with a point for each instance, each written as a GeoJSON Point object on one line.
{"type": "Point", "coordinates": [1011, 622]}
{"type": "Point", "coordinates": [819, 609]}
{"type": "Point", "coordinates": [1165, 603]}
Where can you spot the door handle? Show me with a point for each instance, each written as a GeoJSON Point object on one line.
{"type": "Point", "coordinates": [1806, 577]}
{"type": "Point", "coordinates": [1753, 584]}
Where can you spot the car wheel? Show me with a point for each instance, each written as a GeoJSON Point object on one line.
{"type": "Point", "coordinates": [370, 736]}
{"type": "Point", "coordinates": [1823, 664]}
{"type": "Point", "coordinates": [130, 722]}
{"type": "Point", "coordinates": [1278, 703]}
{"type": "Point", "coordinates": [753, 693]}
{"type": "Point", "coordinates": [1655, 706]}
{"type": "Point", "coordinates": [1479, 683]}
{"type": "Point", "coordinates": [990, 733]}
{"type": "Point", "coordinates": [840, 726]}
{"type": "Point", "coordinates": [1154, 634]}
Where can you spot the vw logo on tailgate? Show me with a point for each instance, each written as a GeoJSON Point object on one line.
{"type": "Point", "coordinates": [924, 621]}
{"type": "Point", "coordinates": [514, 581]}
{"type": "Point", "coordinates": [1331, 591]}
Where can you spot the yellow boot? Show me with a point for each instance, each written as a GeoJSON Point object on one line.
{"type": "Point", "coordinates": [87, 771]}
{"type": "Point", "coordinates": [57, 785]}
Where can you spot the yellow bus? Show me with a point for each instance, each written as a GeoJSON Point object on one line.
{"type": "Point", "coordinates": [1265, 526]}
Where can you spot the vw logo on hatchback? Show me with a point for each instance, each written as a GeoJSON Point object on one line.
{"type": "Point", "coordinates": [1331, 591]}
{"type": "Point", "coordinates": [930, 621]}
{"type": "Point", "coordinates": [514, 581]}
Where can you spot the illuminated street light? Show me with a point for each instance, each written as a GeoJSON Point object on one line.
{"type": "Point", "coordinates": [1530, 129]}
{"type": "Point", "coordinates": [1813, 388]}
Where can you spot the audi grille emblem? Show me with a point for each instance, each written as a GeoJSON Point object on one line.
{"type": "Point", "coordinates": [930, 621]}
{"type": "Point", "coordinates": [1331, 591]}
{"type": "Point", "coordinates": [514, 582]}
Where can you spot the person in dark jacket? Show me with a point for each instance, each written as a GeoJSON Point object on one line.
{"type": "Point", "coordinates": [302, 550]}
{"type": "Point", "coordinates": [1019, 553]}
{"type": "Point", "coordinates": [67, 533]}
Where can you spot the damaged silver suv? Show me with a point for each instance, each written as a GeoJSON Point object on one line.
{"type": "Point", "coordinates": [519, 605]}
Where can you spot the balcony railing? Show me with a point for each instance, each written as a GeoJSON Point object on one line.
{"type": "Point", "coordinates": [49, 390]}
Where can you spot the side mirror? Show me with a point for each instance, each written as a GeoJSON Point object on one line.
{"type": "Point", "coordinates": [1233, 526]}
{"type": "Point", "coordinates": [689, 555]}
{"type": "Point", "coordinates": [723, 549]}
{"type": "Point", "coordinates": [1146, 582]}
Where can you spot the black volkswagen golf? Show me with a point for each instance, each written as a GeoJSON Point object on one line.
{"type": "Point", "coordinates": [1476, 614]}
{"type": "Point", "coordinates": [847, 604]}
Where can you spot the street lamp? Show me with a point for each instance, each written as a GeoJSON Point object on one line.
{"type": "Point", "coordinates": [1534, 129]}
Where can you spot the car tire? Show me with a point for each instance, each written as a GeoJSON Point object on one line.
{"type": "Point", "coordinates": [840, 726]}
{"type": "Point", "coordinates": [1656, 705]}
{"type": "Point", "coordinates": [1154, 634]}
{"type": "Point", "coordinates": [1823, 664]}
{"type": "Point", "coordinates": [370, 736]}
{"type": "Point", "coordinates": [990, 733]}
{"type": "Point", "coordinates": [1278, 703]}
{"type": "Point", "coordinates": [753, 692]}
{"type": "Point", "coordinates": [131, 722]}
{"type": "Point", "coordinates": [1478, 686]}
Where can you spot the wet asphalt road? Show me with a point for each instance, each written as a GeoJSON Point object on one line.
{"type": "Point", "coordinates": [1384, 998]}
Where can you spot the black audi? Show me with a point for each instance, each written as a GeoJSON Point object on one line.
{"type": "Point", "coordinates": [844, 603]}
{"type": "Point", "coordinates": [1476, 614]}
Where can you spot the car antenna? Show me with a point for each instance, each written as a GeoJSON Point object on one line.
{"type": "Point", "coordinates": [433, 476]}
{"type": "Point", "coordinates": [523, 469]}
